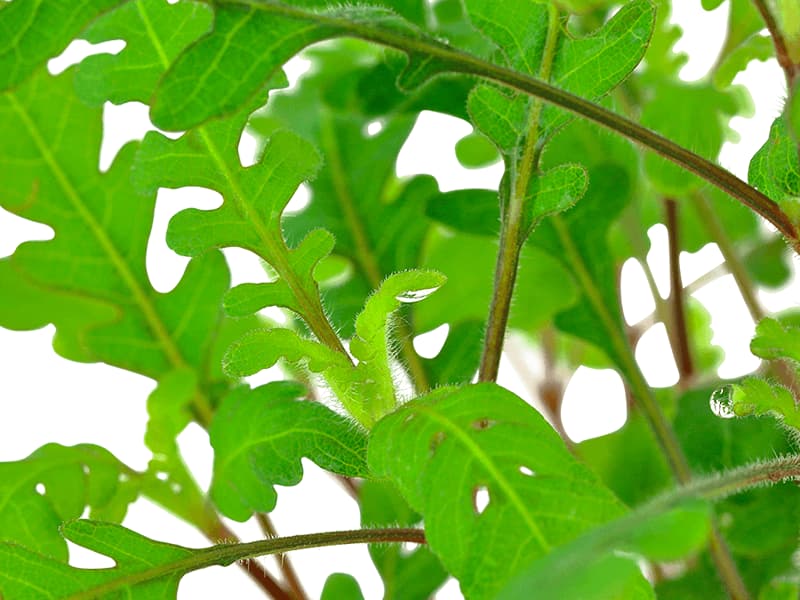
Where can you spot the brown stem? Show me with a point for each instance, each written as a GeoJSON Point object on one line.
{"type": "Point", "coordinates": [683, 356]}
{"type": "Point", "coordinates": [789, 67]}
{"type": "Point", "coordinates": [254, 569]}
{"type": "Point", "coordinates": [285, 564]}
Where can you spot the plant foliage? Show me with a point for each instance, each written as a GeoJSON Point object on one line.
{"type": "Point", "coordinates": [580, 104]}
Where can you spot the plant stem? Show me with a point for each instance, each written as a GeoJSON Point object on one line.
{"type": "Point", "coordinates": [226, 554]}
{"type": "Point", "coordinates": [254, 570]}
{"type": "Point", "coordinates": [365, 259]}
{"type": "Point", "coordinates": [683, 354]}
{"type": "Point", "coordinates": [790, 69]}
{"type": "Point", "coordinates": [289, 574]}
{"type": "Point", "coordinates": [646, 401]}
{"type": "Point", "coordinates": [783, 370]}
{"type": "Point", "coordinates": [512, 236]}
{"type": "Point", "coordinates": [457, 61]}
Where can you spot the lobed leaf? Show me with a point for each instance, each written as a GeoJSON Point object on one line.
{"type": "Point", "coordinates": [144, 569]}
{"type": "Point", "coordinates": [444, 448]}
{"type": "Point", "coordinates": [259, 437]}
{"type": "Point", "coordinates": [33, 31]}
{"type": "Point", "coordinates": [56, 484]}
{"type": "Point", "coordinates": [96, 260]}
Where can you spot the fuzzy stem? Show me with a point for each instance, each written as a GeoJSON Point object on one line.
{"type": "Point", "coordinates": [226, 554]}
{"type": "Point", "coordinates": [286, 566]}
{"type": "Point", "coordinates": [512, 236]}
{"type": "Point", "coordinates": [790, 69]}
{"type": "Point", "coordinates": [457, 61]}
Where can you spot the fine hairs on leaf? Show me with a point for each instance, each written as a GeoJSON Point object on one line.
{"type": "Point", "coordinates": [397, 313]}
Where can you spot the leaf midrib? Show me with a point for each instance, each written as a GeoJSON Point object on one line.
{"type": "Point", "coordinates": [140, 297]}
{"type": "Point", "coordinates": [493, 471]}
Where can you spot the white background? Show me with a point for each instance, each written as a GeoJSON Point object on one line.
{"type": "Point", "coordinates": [47, 399]}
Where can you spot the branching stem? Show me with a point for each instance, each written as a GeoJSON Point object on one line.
{"type": "Point", "coordinates": [457, 61]}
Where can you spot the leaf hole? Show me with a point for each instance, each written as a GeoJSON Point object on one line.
{"type": "Point", "coordinates": [86, 470]}
{"type": "Point", "coordinates": [123, 478]}
{"type": "Point", "coordinates": [41, 489]}
{"type": "Point", "coordinates": [407, 548]}
{"type": "Point", "coordinates": [80, 49]}
{"type": "Point", "coordinates": [175, 488]}
{"type": "Point", "coordinates": [528, 472]}
{"type": "Point", "coordinates": [430, 343]}
{"type": "Point", "coordinates": [162, 476]}
{"type": "Point", "coordinates": [373, 128]}
{"type": "Point", "coordinates": [480, 499]}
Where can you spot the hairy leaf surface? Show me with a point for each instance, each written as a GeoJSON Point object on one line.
{"type": "Point", "coordinates": [442, 449]}
{"type": "Point", "coordinates": [259, 437]}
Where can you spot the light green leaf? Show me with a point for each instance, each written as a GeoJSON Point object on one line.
{"type": "Point", "coordinates": [250, 215]}
{"type": "Point", "coordinates": [365, 389]}
{"type": "Point", "coordinates": [49, 153]}
{"type": "Point", "coordinates": [476, 151]}
{"type": "Point", "coordinates": [469, 289]}
{"type": "Point", "coordinates": [145, 569]}
{"type": "Point", "coordinates": [555, 191]}
{"type": "Point", "coordinates": [71, 479]}
{"type": "Point", "coordinates": [446, 448]}
{"type": "Point", "coordinates": [756, 396]}
{"type": "Point", "coordinates": [253, 41]}
{"type": "Point", "coordinates": [259, 437]}
{"type": "Point", "coordinates": [602, 563]}
{"type": "Point", "coordinates": [776, 339]}
{"type": "Point", "coordinates": [775, 168]}
{"type": "Point", "coordinates": [696, 115]}
{"type": "Point", "coordinates": [154, 31]}
{"type": "Point", "coordinates": [341, 586]}
{"type": "Point", "coordinates": [756, 47]}
{"type": "Point", "coordinates": [32, 32]}
{"type": "Point", "coordinates": [589, 67]}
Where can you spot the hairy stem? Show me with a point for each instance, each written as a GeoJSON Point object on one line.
{"type": "Point", "coordinates": [790, 69]}
{"type": "Point", "coordinates": [683, 356]}
{"type": "Point", "coordinates": [289, 574]}
{"type": "Point", "coordinates": [458, 61]}
{"type": "Point", "coordinates": [254, 570]}
{"type": "Point", "coordinates": [512, 236]}
{"type": "Point", "coordinates": [226, 554]}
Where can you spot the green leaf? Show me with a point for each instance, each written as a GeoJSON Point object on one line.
{"type": "Point", "coordinates": [476, 151]}
{"type": "Point", "coordinates": [259, 437]}
{"type": "Point", "coordinates": [414, 575]}
{"type": "Point", "coordinates": [579, 240]}
{"type": "Point", "coordinates": [603, 563]}
{"type": "Point", "coordinates": [49, 152]}
{"type": "Point", "coordinates": [756, 47]}
{"type": "Point", "coordinates": [696, 115]}
{"type": "Point", "coordinates": [72, 478]}
{"type": "Point", "coordinates": [341, 586]}
{"type": "Point", "coordinates": [154, 31]}
{"type": "Point", "coordinates": [262, 37]}
{"type": "Point", "coordinates": [365, 389]}
{"type": "Point", "coordinates": [32, 32]}
{"type": "Point", "coordinates": [250, 215]}
{"type": "Point", "coordinates": [589, 67]}
{"type": "Point", "coordinates": [144, 568]}
{"type": "Point", "coordinates": [444, 448]}
{"type": "Point", "coordinates": [775, 168]}
{"type": "Point", "coordinates": [457, 361]}
{"type": "Point", "coordinates": [776, 339]}
{"type": "Point", "coordinates": [469, 288]}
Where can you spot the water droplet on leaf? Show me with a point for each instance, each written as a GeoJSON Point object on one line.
{"type": "Point", "coordinates": [721, 402]}
{"type": "Point", "coordinates": [412, 296]}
